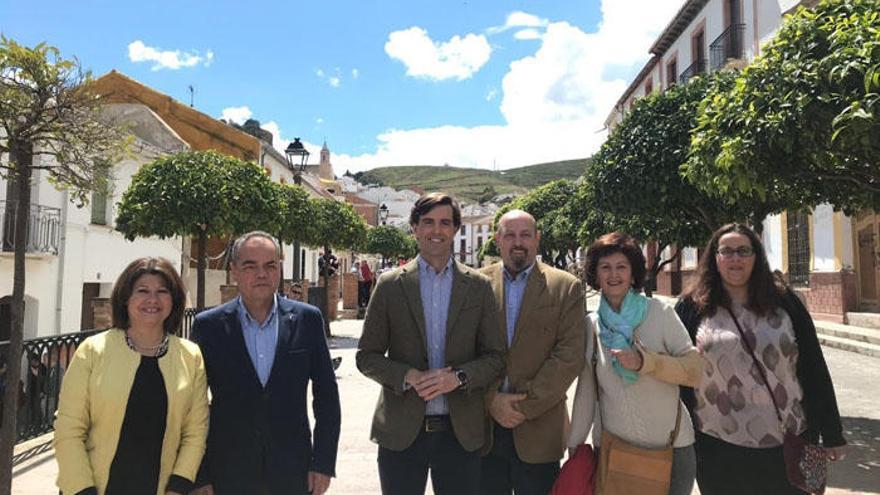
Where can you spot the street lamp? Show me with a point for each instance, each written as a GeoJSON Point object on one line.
{"type": "Point", "coordinates": [297, 157]}
{"type": "Point", "coordinates": [383, 213]}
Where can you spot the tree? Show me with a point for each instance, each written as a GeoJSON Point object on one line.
{"type": "Point", "coordinates": [801, 123]}
{"type": "Point", "coordinates": [47, 113]}
{"type": "Point", "coordinates": [635, 182]}
{"type": "Point", "coordinates": [198, 194]}
{"type": "Point", "coordinates": [336, 225]}
{"type": "Point", "coordinates": [390, 242]}
{"type": "Point", "coordinates": [296, 223]}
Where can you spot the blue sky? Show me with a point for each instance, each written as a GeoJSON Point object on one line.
{"type": "Point", "coordinates": [468, 83]}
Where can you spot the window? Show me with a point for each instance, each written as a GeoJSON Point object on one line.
{"type": "Point", "coordinates": [671, 72]}
{"type": "Point", "coordinates": [462, 250]}
{"type": "Point", "coordinates": [649, 87]}
{"type": "Point", "coordinates": [463, 230]}
{"type": "Point", "coordinates": [798, 229]}
{"type": "Point", "coordinates": [99, 208]}
{"type": "Point", "coordinates": [698, 51]}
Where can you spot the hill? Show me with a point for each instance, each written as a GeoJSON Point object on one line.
{"type": "Point", "coordinates": [473, 184]}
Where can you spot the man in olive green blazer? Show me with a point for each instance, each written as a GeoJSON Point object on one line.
{"type": "Point", "coordinates": [431, 339]}
{"type": "Point", "coordinates": [541, 310]}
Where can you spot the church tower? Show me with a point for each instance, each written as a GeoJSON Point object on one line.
{"type": "Point", "coordinates": [325, 169]}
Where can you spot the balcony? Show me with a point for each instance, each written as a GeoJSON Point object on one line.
{"type": "Point", "coordinates": [695, 69]}
{"type": "Point", "coordinates": [728, 46]}
{"type": "Point", "coordinates": [44, 227]}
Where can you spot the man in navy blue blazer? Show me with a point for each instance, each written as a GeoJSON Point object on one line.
{"type": "Point", "coordinates": [260, 352]}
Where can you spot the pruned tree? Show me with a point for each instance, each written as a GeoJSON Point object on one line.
{"type": "Point", "coordinates": [51, 123]}
{"type": "Point", "coordinates": [634, 180]}
{"type": "Point", "coordinates": [199, 194]}
{"type": "Point", "coordinates": [801, 123]}
{"type": "Point", "coordinates": [389, 241]}
{"type": "Point", "coordinates": [336, 225]}
{"type": "Point", "coordinates": [296, 224]}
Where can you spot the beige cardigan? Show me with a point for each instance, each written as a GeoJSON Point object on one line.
{"type": "Point", "coordinates": [642, 413]}
{"type": "Point", "coordinates": [94, 394]}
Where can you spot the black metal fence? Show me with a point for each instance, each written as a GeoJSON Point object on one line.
{"type": "Point", "coordinates": [727, 46]}
{"type": "Point", "coordinates": [695, 69]}
{"type": "Point", "coordinates": [44, 227]}
{"type": "Point", "coordinates": [44, 361]}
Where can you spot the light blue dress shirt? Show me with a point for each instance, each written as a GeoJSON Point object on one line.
{"type": "Point", "coordinates": [436, 291]}
{"type": "Point", "coordinates": [260, 339]}
{"type": "Point", "coordinates": [514, 290]}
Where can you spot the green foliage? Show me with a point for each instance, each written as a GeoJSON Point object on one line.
{"type": "Point", "coordinates": [336, 225]}
{"type": "Point", "coordinates": [800, 125]}
{"type": "Point", "coordinates": [198, 192]}
{"type": "Point", "coordinates": [297, 217]}
{"type": "Point", "coordinates": [633, 183]}
{"type": "Point", "coordinates": [390, 242]}
{"type": "Point", "coordinates": [47, 109]}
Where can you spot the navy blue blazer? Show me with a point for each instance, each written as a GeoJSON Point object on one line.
{"type": "Point", "coordinates": [261, 436]}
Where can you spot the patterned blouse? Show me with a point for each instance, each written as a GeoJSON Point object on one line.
{"type": "Point", "coordinates": [733, 403]}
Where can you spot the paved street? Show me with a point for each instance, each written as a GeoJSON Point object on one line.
{"type": "Point", "coordinates": [855, 377]}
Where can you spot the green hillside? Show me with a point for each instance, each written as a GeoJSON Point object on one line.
{"type": "Point", "coordinates": [472, 184]}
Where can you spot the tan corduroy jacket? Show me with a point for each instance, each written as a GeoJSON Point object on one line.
{"type": "Point", "coordinates": [91, 408]}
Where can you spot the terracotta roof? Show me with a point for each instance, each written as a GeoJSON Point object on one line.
{"type": "Point", "coordinates": [682, 19]}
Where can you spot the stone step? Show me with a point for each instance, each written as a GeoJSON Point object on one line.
{"type": "Point", "coordinates": [852, 332]}
{"type": "Point", "coordinates": [865, 320]}
{"type": "Point", "coordinates": [850, 345]}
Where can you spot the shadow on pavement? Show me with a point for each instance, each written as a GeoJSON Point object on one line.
{"type": "Point", "coordinates": [343, 343]}
{"type": "Point", "coordinates": [860, 471]}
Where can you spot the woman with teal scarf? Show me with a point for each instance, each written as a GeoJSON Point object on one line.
{"type": "Point", "coordinates": [638, 353]}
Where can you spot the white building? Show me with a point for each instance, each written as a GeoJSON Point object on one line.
{"type": "Point", "coordinates": [475, 231]}
{"type": "Point", "coordinates": [827, 255]}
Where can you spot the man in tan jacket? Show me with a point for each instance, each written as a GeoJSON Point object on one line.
{"type": "Point", "coordinates": [541, 310]}
{"type": "Point", "coordinates": [431, 338]}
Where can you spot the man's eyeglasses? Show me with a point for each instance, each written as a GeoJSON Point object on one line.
{"type": "Point", "coordinates": [741, 252]}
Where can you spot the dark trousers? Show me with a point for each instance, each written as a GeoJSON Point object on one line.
{"type": "Point", "coordinates": [503, 472]}
{"type": "Point", "coordinates": [364, 293]}
{"type": "Point", "coordinates": [454, 471]}
{"type": "Point", "coordinates": [724, 468]}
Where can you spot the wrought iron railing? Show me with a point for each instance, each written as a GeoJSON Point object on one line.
{"type": "Point", "coordinates": [798, 230]}
{"type": "Point", "coordinates": [695, 69]}
{"type": "Point", "coordinates": [44, 227]}
{"type": "Point", "coordinates": [728, 46]}
{"type": "Point", "coordinates": [45, 360]}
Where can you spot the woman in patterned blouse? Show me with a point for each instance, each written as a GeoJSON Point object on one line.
{"type": "Point", "coordinates": [739, 434]}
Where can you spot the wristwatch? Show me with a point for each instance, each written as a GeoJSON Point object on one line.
{"type": "Point", "coordinates": [462, 377]}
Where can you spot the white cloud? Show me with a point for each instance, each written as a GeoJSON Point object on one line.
{"type": "Point", "coordinates": [459, 58]}
{"type": "Point", "coordinates": [555, 100]}
{"type": "Point", "coordinates": [280, 142]}
{"type": "Point", "coordinates": [167, 59]}
{"type": "Point", "coordinates": [334, 81]}
{"type": "Point", "coordinates": [236, 114]}
{"type": "Point", "coordinates": [491, 94]}
{"type": "Point", "coordinates": [527, 34]}
{"type": "Point", "coordinates": [319, 121]}
{"type": "Point", "coordinates": [355, 73]}
{"type": "Point", "coordinates": [519, 19]}
{"type": "Point", "coordinates": [319, 73]}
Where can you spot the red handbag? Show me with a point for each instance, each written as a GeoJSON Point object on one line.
{"type": "Point", "coordinates": [577, 476]}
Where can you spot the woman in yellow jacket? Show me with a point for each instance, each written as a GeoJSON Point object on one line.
{"type": "Point", "coordinates": [133, 412]}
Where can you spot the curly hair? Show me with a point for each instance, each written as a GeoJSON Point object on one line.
{"type": "Point", "coordinates": [616, 242]}
{"type": "Point", "coordinates": [708, 292]}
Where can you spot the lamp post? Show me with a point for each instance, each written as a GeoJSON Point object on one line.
{"type": "Point", "coordinates": [383, 213]}
{"type": "Point", "coordinates": [297, 157]}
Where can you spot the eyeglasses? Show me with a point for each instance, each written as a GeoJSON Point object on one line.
{"type": "Point", "coordinates": [741, 252]}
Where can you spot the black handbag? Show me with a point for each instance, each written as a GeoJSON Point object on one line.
{"type": "Point", "coordinates": [806, 464]}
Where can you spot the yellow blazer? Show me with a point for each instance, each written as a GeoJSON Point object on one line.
{"type": "Point", "coordinates": [94, 394]}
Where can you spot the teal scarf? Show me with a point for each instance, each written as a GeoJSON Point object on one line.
{"type": "Point", "coordinates": [616, 329]}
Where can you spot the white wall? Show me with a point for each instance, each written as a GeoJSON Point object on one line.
{"type": "Point", "coordinates": [823, 239]}
{"type": "Point", "coordinates": [773, 241]}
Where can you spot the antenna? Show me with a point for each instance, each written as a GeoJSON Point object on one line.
{"type": "Point", "coordinates": [192, 92]}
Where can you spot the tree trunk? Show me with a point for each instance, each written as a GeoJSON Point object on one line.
{"type": "Point", "coordinates": [23, 157]}
{"type": "Point", "coordinates": [200, 268]}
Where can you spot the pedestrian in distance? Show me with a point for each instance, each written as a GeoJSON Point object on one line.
{"type": "Point", "coordinates": [261, 353]}
{"type": "Point", "coordinates": [541, 311]}
{"type": "Point", "coordinates": [133, 413]}
{"type": "Point", "coordinates": [431, 339]}
{"type": "Point", "coordinates": [754, 335]}
{"type": "Point", "coordinates": [640, 353]}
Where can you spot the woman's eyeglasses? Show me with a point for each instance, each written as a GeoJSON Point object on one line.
{"type": "Point", "coordinates": [741, 252]}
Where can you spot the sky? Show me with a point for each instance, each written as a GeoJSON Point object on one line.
{"type": "Point", "coordinates": [479, 83]}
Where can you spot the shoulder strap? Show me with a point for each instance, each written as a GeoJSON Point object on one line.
{"type": "Point", "coordinates": [758, 364]}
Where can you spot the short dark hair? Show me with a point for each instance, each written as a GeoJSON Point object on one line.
{"type": "Point", "coordinates": [707, 290]}
{"type": "Point", "coordinates": [432, 200]}
{"type": "Point", "coordinates": [125, 285]}
{"type": "Point", "coordinates": [616, 242]}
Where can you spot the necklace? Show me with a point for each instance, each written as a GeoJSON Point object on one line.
{"type": "Point", "coordinates": [156, 350]}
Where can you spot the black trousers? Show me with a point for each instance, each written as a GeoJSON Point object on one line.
{"type": "Point", "coordinates": [724, 468]}
{"type": "Point", "coordinates": [503, 472]}
{"type": "Point", "coordinates": [454, 471]}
